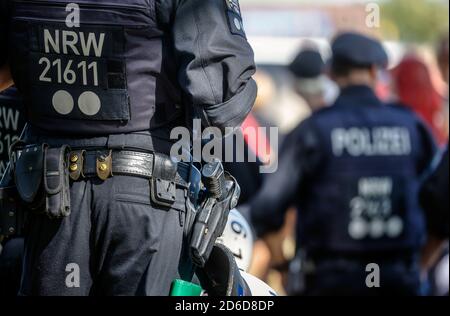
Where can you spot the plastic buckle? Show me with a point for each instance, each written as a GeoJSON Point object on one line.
{"type": "Point", "coordinates": [163, 192]}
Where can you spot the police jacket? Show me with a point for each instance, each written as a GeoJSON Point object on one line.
{"type": "Point", "coordinates": [434, 198]}
{"type": "Point", "coordinates": [96, 67]}
{"type": "Point", "coordinates": [353, 172]}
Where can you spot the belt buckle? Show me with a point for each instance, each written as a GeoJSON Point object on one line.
{"type": "Point", "coordinates": [104, 165]}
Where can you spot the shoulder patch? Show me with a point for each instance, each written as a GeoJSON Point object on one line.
{"type": "Point", "coordinates": [235, 18]}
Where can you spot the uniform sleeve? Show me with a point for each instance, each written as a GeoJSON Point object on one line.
{"type": "Point", "coordinates": [299, 157]}
{"type": "Point", "coordinates": [215, 61]}
{"type": "Point", "coordinates": [3, 32]}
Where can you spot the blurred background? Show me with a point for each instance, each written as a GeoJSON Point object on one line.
{"type": "Point", "coordinates": [277, 30]}
{"type": "Point", "coordinates": [415, 35]}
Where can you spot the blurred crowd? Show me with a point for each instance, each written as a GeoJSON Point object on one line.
{"type": "Point", "coordinates": [419, 82]}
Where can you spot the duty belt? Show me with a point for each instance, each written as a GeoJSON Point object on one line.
{"type": "Point", "coordinates": [107, 163]}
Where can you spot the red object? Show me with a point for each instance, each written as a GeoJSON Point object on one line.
{"type": "Point", "coordinates": [256, 138]}
{"type": "Point", "coordinates": [415, 89]}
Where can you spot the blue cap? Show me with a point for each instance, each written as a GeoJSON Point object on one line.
{"type": "Point", "coordinates": [307, 64]}
{"type": "Point", "coordinates": [358, 50]}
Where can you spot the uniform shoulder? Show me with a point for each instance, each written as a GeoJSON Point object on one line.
{"type": "Point", "coordinates": [322, 114]}
{"type": "Point", "coordinates": [400, 109]}
{"type": "Point", "coordinates": [306, 131]}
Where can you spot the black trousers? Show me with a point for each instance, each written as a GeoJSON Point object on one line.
{"type": "Point", "coordinates": [115, 242]}
{"type": "Point", "coordinates": [11, 267]}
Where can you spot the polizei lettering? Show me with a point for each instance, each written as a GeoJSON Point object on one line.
{"type": "Point", "coordinates": [378, 141]}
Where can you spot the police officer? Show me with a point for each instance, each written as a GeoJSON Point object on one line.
{"type": "Point", "coordinates": [308, 69]}
{"type": "Point", "coordinates": [352, 170]}
{"type": "Point", "coordinates": [434, 200]}
{"type": "Point", "coordinates": [11, 251]}
{"type": "Point", "coordinates": [103, 83]}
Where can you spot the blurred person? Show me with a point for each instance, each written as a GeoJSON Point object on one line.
{"type": "Point", "coordinates": [352, 170]}
{"type": "Point", "coordinates": [5, 78]}
{"type": "Point", "coordinates": [443, 57]}
{"type": "Point", "coordinates": [11, 250]}
{"type": "Point", "coordinates": [308, 70]}
{"type": "Point", "coordinates": [311, 80]}
{"type": "Point", "coordinates": [414, 88]}
{"type": "Point", "coordinates": [434, 197]}
{"type": "Point", "coordinates": [435, 200]}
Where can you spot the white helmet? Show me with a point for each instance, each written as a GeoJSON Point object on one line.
{"type": "Point", "coordinates": [256, 286]}
{"type": "Point", "coordinates": [238, 237]}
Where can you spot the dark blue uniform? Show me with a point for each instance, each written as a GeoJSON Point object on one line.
{"type": "Point", "coordinates": [434, 199]}
{"type": "Point", "coordinates": [353, 172]}
{"type": "Point", "coordinates": [11, 125]}
{"type": "Point", "coordinates": [111, 79]}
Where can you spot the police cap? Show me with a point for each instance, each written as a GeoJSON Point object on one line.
{"type": "Point", "coordinates": [307, 64]}
{"type": "Point", "coordinates": [358, 50]}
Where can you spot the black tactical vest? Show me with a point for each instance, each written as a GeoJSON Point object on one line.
{"type": "Point", "coordinates": [92, 67]}
{"type": "Point", "coordinates": [365, 196]}
{"type": "Point", "coordinates": [11, 124]}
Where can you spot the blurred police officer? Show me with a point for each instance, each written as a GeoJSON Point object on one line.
{"type": "Point", "coordinates": [434, 200]}
{"type": "Point", "coordinates": [111, 79]}
{"type": "Point", "coordinates": [352, 170]}
{"type": "Point", "coordinates": [310, 80]}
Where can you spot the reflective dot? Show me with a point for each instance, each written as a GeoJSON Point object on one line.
{"type": "Point", "coordinates": [358, 229]}
{"type": "Point", "coordinates": [62, 102]}
{"type": "Point", "coordinates": [89, 103]}
{"type": "Point", "coordinates": [377, 228]}
{"type": "Point", "coordinates": [237, 23]}
{"type": "Point", "coordinates": [394, 227]}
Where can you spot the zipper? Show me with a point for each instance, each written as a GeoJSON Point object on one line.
{"type": "Point", "coordinates": [86, 5]}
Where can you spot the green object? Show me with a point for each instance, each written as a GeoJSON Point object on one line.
{"type": "Point", "coordinates": [183, 288]}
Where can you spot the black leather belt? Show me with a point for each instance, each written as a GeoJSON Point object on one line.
{"type": "Point", "coordinates": [107, 163]}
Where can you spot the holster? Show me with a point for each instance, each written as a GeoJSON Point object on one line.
{"type": "Point", "coordinates": [210, 222]}
{"type": "Point", "coordinates": [28, 171]}
{"type": "Point", "coordinates": [220, 275]}
{"type": "Point", "coordinates": [41, 175]}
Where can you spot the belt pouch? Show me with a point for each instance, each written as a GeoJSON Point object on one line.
{"type": "Point", "coordinates": [28, 175]}
{"type": "Point", "coordinates": [56, 182]}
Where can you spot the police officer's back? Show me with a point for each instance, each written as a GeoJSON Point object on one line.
{"type": "Point", "coordinates": [103, 84]}
{"type": "Point", "coordinates": [353, 171]}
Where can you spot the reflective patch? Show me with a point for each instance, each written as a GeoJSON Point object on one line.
{"type": "Point", "coordinates": [377, 208]}
{"type": "Point", "coordinates": [89, 103]}
{"type": "Point", "coordinates": [235, 18]}
{"type": "Point", "coordinates": [62, 102]}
